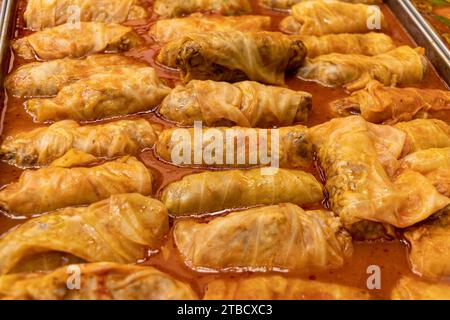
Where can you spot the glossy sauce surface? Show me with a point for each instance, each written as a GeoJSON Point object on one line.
{"type": "Point", "coordinates": [390, 256]}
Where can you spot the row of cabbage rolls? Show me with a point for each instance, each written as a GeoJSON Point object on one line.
{"type": "Point", "coordinates": [91, 201]}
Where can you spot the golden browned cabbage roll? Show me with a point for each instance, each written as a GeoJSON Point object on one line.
{"type": "Point", "coordinates": [234, 56]}
{"type": "Point", "coordinates": [411, 288]}
{"type": "Point", "coordinates": [204, 192]}
{"type": "Point", "coordinates": [377, 103]}
{"type": "Point", "coordinates": [104, 95]}
{"type": "Point", "coordinates": [317, 18]}
{"type": "Point", "coordinates": [281, 237]}
{"type": "Point", "coordinates": [176, 8]}
{"type": "Point", "coordinates": [369, 44]}
{"type": "Point", "coordinates": [42, 146]}
{"type": "Point", "coordinates": [236, 147]}
{"type": "Point", "coordinates": [422, 134]}
{"type": "Point", "coordinates": [48, 78]}
{"type": "Point", "coordinates": [430, 247]}
{"type": "Point", "coordinates": [280, 288]}
{"type": "Point", "coordinates": [119, 229]}
{"type": "Point", "coordinates": [47, 189]}
{"type": "Point", "coordinates": [287, 4]}
{"type": "Point", "coordinates": [433, 163]}
{"type": "Point", "coordinates": [99, 281]}
{"type": "Point", "coordinates": [165, 30]}
{"type": "Point", "coordinates": [244, 104]}
{"type": "Point", "coordinates": [41, 14]}
{"type": "Point", "coordinates": [359, 160]}
{"type": "Point", "coordinates": [72, 41]}
{"type": "Point", "coordinates": [400, 66]}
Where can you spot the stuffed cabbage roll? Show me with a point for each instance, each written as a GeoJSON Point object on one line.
{"type": "Point", "coordinates": [47, 189]}
{"type": "Point", "coordinates": [430, 247]}
{"type": "Point", "coordinates": [204, 192]}
{"type": "Point", "coordinates": [368, 44]}
{"type": "Point", "coordinates": [360, 182]}
{"type": "Point", "coordinates": [409, 288]}
{"type": "Point", "coordinates": [42, 146]}
{"type": "Point", "coordinates": [281, 237]}
{"type": "Point", "coordinates": [119, 229]}
{"type": "Point", "coordinates": [234, 56]}
{"type": "Point", "coordinates": [244, 104]}
{"type": "Point", "coordinates": [377, 103]}
{"type": "Point", "coordinates": [176, 8]}
{"type": "Point", "coordinates": [400, 66]}
{"type": "Point", "coordinates": [287, 4]}
{"type": "Point", "coordinates": [236, 147]}
{"type": "Point", "coordinates": [280, 288]}
{"type": "Point", "coordinates": [422, 134]}
{"type": "Point", "coordinates": [43, 79]}
{"type": "Point", "coordinates": [100, 281]}
{"type": "Point", "coordinates": [317, 18]}
{"type": "Point", "coordinates": [433, 163]}
{"type": "Point", "coordinates": [165, 30]}
{"type": "Point", "coordinates": [41, 14]}
{"type": "Point", "coordinates": [72, 41]}
{"type": "Point", "coordinates": [104, 95]}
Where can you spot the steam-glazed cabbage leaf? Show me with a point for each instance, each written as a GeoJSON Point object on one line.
{"type": "Point", "coordinates": [118, 229]}
{"type": "Point", "coordinates": [76, 41]}
{"type": "Point", "coordinates": [281, 237]}
{"type": "Point", "coordinates": [42, 146]}
{"type": "Point", "coordinates": [104, 95]}
{"type": "Point", "coordinates": [359, 160]}
{"type": "Point", "coordinates": [47, 189]}
{"type": "Point", "coordinates": [280, 288]}
{"type": "Point", "coordinates": [234, 56]}
{"type": "Point", "coordinates": [329, 16]}
{"type": "Point", "coordinates": [244, 104]}
{"type": "Point", "coordinates": [43, 79]}
{"type": "Point", "coordinates": [287, 4]}
{"type": "Point", "coordinates": [100, 281]}
{"type": "Point", "coordinates": [287, 147]}
{"type": "Point", "coordinates": [165, 30]}
{"type": "Point", "coordinates": [176, 8]}
{"type": "Point", "coordinates": [400, 66]}
{"type": "Point", "coordinates": [377, 103]}
{"type": "Point", "coordinates": [41, 14]}
{"type": "Point", "coordinates": [213, 191]}
{"type": "Point", "coordinates": [369, 44]}
{"type": "Point", "coordinates": [410, 288]}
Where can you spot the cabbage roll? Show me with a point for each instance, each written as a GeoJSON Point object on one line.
{"type": "Point", "coordinates": [269, 287]}
{"type": "Point", "coordinates": [430, 247]}
{"type": "Point", "coordinates": [236, 147]}
{"type": "Point", "coordinates": [400, 66]}
{"type": "Point", "coordinates": [166, 30]}
{"type": "Point", "coordinates": [281, 237]}
{"type": "Point", "coordinates": [316, 18]}
{"type": "Point", "coordinates": [103, 95]}
{"type": "Point", "coordinates": [42, 146]}
{"type": "Point", "coordinates": [71, 41]}
{"type": "Point", "coordinates": [47, 189]}
{"type": "Point", "coordinates": [119, 229]}
{"type": "Point", "coordinates": [176, 8]}
{"type": "Point", "coordinates": [369, 44]}
{"type": "Point", "coordinates": [409, 288]}
{"type": "Point", "coordinates": [287, 4]}
{"type": "Point", "coordinates": [433, 163]}
{"type": "Point", "coordinates": [100, 281]}
{"type": "Point", "coordinates": [234, 56]}
{"type": "Point", "coordinates": [204, 192]}
{"type": "Point", "coordinates": [244, 104]}
{"type": "Point", "coordinates": [422, 134]}
{"type": "Point", "coordinates": [43, 79]}
{"type": "Point", "coordinates": [360, 182]}
{"type": "Point", "coordinates": [41, 14]}
{"type": "Point", "coordinates": [377, 103]}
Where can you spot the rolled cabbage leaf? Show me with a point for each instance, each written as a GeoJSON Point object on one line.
{"type": "Point", "coordinates": [176, 8]}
